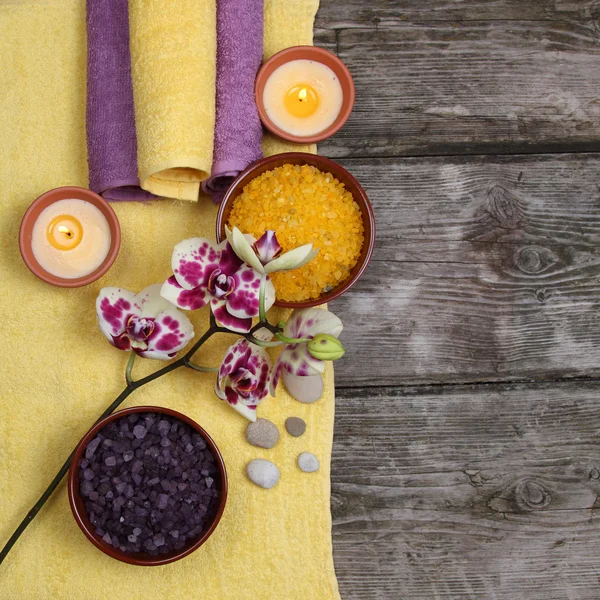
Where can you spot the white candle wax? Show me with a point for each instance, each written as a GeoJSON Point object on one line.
{"type": "Point", "coordinates": [70, 238]}
{"type": "Point", "coordinates": [303, 97]}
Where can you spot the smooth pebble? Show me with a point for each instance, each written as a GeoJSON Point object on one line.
{"type": "Point", "coordinates": [263, 473]}
{"type": "Point", "coordinates": [295, 426]}
{"type": "Point", "coordinates": [262, 433]}
{"type": "Point", "coordinates": [306, 389]}
{"type": "Point", "coordinates": [308, 462]}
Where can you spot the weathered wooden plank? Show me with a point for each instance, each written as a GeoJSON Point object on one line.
{"type": "Point", "coordinates": [485, 268]}
{"type": "Point", "coordinates": [384, 13]}
{"type": "Point", "coordinates": [487, 81]}
{"type": "Point", "coordinates": [483, 491]}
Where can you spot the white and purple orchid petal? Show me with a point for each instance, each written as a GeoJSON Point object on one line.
{"type": "Point", "coordinates": [297, 360]}
{"type": "Point", "coordinates": [139, 329]}
{"type": "Point", "coordinates": [307, 322]}
{"type": "Point", "coordinates": [122, 342]}
{"type": "Point", "coordinates": [193, 261]}
{"type": "Point", "coordinates": [243, 378]}
{"type": "Point", "coordinates": [172, 331]}
{"type": "Point", "coordinates": [243, 300]}
{"type": "Point", "coordinates": [249, 412]}
{"type": "Point", "coordinates": [294, 259]}
{"type": "Point", "coordinates": [264, 334]}
{"type": "Point", "coordinates": [182, 298]}
{"type": "Point", "coordinates": [275, 376]}
{"type": "Point", "coordinates": [229, 262]}
{"type": "Point", "coordinates": [269, 294]}
{"type": "Point", "coordinates": [226, 319]}
{"type": "Point", "coordinates": [236, 358]}
{"type": "Point", "coordinates": [114, 307]}
{"type": "Point", "coordinates": [242, 247]}
{"type": "Point", "coordinates": [151, 301]}
{"type": "Point", "coordinates": [220, 285]}
{"type": "Point", "coordinates": [267, 247]}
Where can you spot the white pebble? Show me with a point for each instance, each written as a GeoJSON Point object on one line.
{"type": "Point", "coordinates": [308, 462]}
{"type": "Point", "coordinates": [263, 473]}
{"type": "Point", "coordinates": [306, 389]}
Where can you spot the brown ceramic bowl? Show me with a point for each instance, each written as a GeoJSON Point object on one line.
{"type": "Point", "coordinates": [306, 53]}
{"type": "Point", "coordinates": [325, 165]}
{"type": "Point", "coordinates": [78, 506]}
{"type": "Point", "coordinates": [45, 200]}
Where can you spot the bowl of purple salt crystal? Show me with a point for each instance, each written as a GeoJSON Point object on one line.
{"type": "Point", "coordinates": [147, 485]}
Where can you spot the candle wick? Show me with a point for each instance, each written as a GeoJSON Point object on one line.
{"type": "Point", "coordinates": [66, 231]}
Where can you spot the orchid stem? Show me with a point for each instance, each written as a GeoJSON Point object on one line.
{"type": "Point", "coordinates": [288, 340]}
{"type": "Point", "coordinates": [262, 343]}
{"type": "Point", "coordinates": [262, 313]}
{"type": "Point", "coordinates": [129, 368]}
{"type": "Point", "coordinates": [184, 361]}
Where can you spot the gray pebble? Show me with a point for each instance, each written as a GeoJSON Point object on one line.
{"type": "Point", "coordinates": [308, 462]}
{"type": "Point", "coordinates": [306, 389]}
{"type": "Point", "coordinates": [262, 433]}
{"type": "Point", "coordinates": [263, 473]}
{"type": "Point", "coordinates": [295, 426]}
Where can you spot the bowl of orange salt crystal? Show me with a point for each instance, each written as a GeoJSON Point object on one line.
{"type": "Point", "coordinates": [305, 199]}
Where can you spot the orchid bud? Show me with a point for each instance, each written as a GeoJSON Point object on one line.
{"type": "Point", "coordinates": [326, 347]}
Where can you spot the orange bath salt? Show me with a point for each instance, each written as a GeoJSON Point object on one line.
{"type": "Point", "coordinates": [303, 205]}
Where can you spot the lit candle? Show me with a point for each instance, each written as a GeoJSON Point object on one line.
{"type": "Point", "coordinates": [303, 97]}
{"type": "Point", "coordinates": [70, 238]}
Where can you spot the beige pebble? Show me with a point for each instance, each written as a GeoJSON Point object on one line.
{"type": "Point", "coordinates": [262, 433]}
{"type": "Point", "coordinates": [263, 473]}
{"type": "Point", "coordinates": [295, 426]}
{"type": "Point", "coordinates": [306, 389]}
{"type": "Point", "coordinates": [308, 462]}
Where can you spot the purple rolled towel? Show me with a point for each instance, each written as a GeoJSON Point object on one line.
{"type": "Point", "coordinates": [110, 120]}
{"type": "Point", "coordinates": [238, 130]}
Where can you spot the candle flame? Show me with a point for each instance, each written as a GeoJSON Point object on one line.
{"type": "Point", "coordinates": [302, 95]}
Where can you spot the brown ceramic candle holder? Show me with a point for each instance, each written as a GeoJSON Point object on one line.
{"type": "Point", "coordinates": [324, 165]}
{"type": "Point", "coordinates": [45, 200]}
{"type": "Point", "coordinates": [78, 504]}
{"type": "Point", "coordinates": [307, 53]}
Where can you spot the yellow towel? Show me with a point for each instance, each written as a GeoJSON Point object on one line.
{"type": "Point", "coordinates": [58, 373]}
{"type": "Point", "coordinates": [173, 65]}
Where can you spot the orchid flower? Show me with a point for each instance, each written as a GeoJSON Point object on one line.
{"type": "Point", "coordinates": [296, 358]}
{"type": "Point", "coordinates": [264, 255]}
{"type": "Point", "coordinates": [145, 323]}
{"type": "Point", "coordinates": [205, 272]}
{"type": "Point", "coordinates": [243, 378]}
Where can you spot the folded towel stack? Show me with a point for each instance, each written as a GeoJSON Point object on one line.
{"type": "Point", "coordinates": [190, 66]}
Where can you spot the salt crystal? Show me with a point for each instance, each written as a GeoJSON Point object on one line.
{"type": "Point", "coordinates": [139, 431]}
{"type": "Point", "coordinates": [92, 447]}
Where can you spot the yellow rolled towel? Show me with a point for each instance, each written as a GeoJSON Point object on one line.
{"type": "Point", "coordinates": [173, 67]}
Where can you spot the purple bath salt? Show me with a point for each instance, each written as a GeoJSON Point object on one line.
{"type": "Point", "coordinates": [139, 431]}
{"type": "Point", "coordinates": [150, 484]}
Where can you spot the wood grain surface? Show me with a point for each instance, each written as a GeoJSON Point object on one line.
{"type": "Point", "coordinates": [485, 269]}
{"type": "Point", "coordinates": [480, 491]}
{"type": "Point", "coordinates": [466, 461]}
{"type": "Point", "coordinates": [467, 78]}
